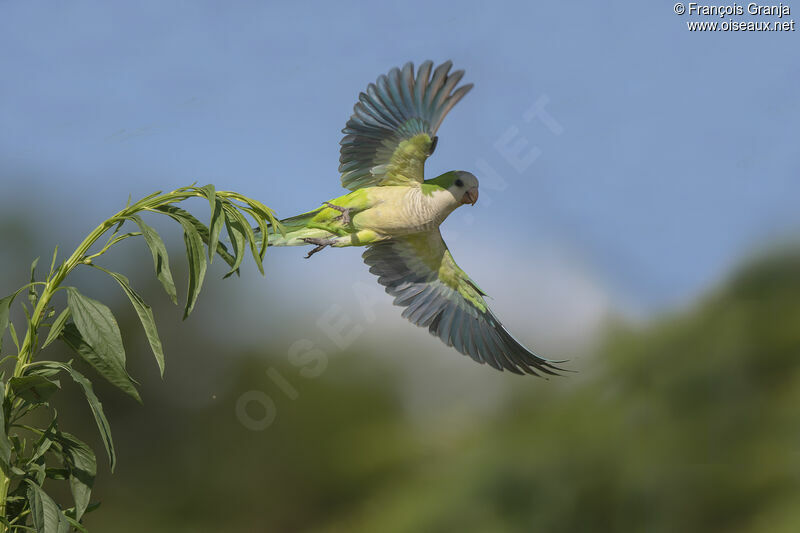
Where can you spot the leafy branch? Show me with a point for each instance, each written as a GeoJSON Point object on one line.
{"type": "Point", "coordinates": [31, 455]}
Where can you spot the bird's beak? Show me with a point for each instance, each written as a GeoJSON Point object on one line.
{"type": "Point", "coordinates": [470, 197]}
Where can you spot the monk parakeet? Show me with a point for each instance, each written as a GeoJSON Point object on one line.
{"type": "Point", "coordinates": [395, 212]}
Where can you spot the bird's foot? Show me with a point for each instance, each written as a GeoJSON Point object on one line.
{"type": "Point", "coordinates": [321, 244]}
{"type": "Point", "coordinates": [345, 213]}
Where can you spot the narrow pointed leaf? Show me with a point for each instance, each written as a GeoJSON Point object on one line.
{"type": "Point", "coordinates": [44, 443]}
{"type": "Point", "coordinates": [179, 214]}
{"type": "Point", "coordinates": [217, 221]}
{"type": "Point", "coordinates": [13, 331]}
{"type": "Point", "coordinates": [110, 369]}
{"type": "Point", "coordinates": [160, 257]}
{"type": "Point", "coordinates": [91, 397]}
{"type": "Point", "coordinates": [58, 474]}
{"type": "Point", "coordinates": [5, 305]}
{"type": "Point", "coordinates": [5, 443]}
{"type": "Point", "coordinates": [262, 210]}
{"type": "Point", "coordinates": [46, 515]}
{"type": "Point", "coordinates": [236, 235]}
{"type": "Point", "coordinates": [77, 525]}
{"type": "Point", "coordinates": [32, 288]}
{"type": "Point", "coordinates": [148, 197]}
{"type": "Point", "coordinates": [82, 465]}
{"type": "Point", "coordinates": [263, 231]}
{"type": "Point", "coordinates": [33, 389]}
{"type": "Point", "coordinates": [57, 327]}
{"type": "Point", "coordinates": [99, 330]}
{"type": "Point", "coordinates": [210, 192]}
{"type": "Point", "coordinates": [97, 325]}
{"type": "Point", "coordinates": [145, 314]}
{"type": "Point", "coordinates": [53, 261]}
{"type": "Point", "coordinates": [37, 472]}
{"type": "Point", "coordinates": [241, 222]}
{"type": "Point", "coordinates": [195, 254]}
{"type": "Point", "coordinates": [41, 449]}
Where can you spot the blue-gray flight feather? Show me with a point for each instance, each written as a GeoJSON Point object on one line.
{"type": "Point", "coordinates": [397, 107]}
{"type": "Point", "coordinates": [431, 303]}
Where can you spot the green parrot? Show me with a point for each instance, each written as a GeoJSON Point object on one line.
{"type": "Point", "coordinates": [395, 212]}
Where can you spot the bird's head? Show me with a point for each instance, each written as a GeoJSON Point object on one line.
{"type": "Point", "coordinates": [462, 185]}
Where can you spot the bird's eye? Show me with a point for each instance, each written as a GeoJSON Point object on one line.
{"type": "Point", "coordinates": [459, 183]}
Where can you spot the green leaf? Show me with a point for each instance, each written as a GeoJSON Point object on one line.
{"type": "Point", "coordinates": [108, 368]}
{"type": "Point", "coordinates": [217, 221]}
{"type": "Point", "coordinates": [210, 192]}
{"type": "Point", "coordinates": [58, 474]}
{"type": "Point", "coordinates": [5, 309]}
{"type": "Point", "coordinates": [44, 443]}
{"type": "Point", "coordinates": [94, 403]}
{"type": "Point", "coordinates": [82, 465]}
{"type": "Point", "coordinates": [77, 525]}
{"type": "Point", "coordinates": [92, 507]}
{"type": "Point", "coordinates": [99, 330]}
{"type": "Point", "coordinates": [263, 231]}
{"type": "Point", "coordinates": [57, 327]}
{"type": "Point", "coordinates": [241, 222]}
{"type": "Point", "coordinates": [148, 197]}
{"type": "Point", "coordinates": [53, 261]}
{"type": "Point", "coordinates": [236, 235]}
{"type": "Point", "coordinates": [262, 211]}
{"type": "Point", "coordinates": [17, 443]}
{"type": "Point", "coordinates": [46, 515]}
{"type": "Point", "coordinates": [13, 331]}
{"type": "Point", "coordinates": [145, 316]}
{"type": "Point", "coordinates": [215, 226]}
{"type": "Point", "coordinates": [36, 471]}
{"type": "Point", "coordinates": [33, 389]}
{"type": "Point", "coordinates": [122, 237]}
{"type": "Point", "coordinates": [160, 258]}
{"type": "Point", "coordinates": [32, 288]}
{"type": "Point", "coordinates": [5, 443]}
{"type": "Point", "coordinates": [177, 214]}
{"type": "Point", "coordinates": [70, 513]}
{"type": "Point", "coordinates": [195, 254]}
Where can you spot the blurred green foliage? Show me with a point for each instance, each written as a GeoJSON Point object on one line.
{"type": "Point", "coordinates": [689, 423]}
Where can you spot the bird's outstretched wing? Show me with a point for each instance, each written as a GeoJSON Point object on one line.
{"type": "Point", "coordinates": [420, 273]}
{"type": "Point", "coordinates": [393, 127]}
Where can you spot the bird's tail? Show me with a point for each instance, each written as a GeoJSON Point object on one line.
{"type": "Point", "coordinates": [296, 230]}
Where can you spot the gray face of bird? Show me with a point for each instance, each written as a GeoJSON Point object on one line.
{"type": "Point", "coordinates": [465, 187]}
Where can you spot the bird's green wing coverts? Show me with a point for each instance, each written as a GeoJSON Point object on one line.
{"type": "Point", "coordinates": [419, 271]}
{"type": "Point", "coordinates": [393, 127]}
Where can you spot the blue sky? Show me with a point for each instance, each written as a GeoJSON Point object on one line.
{"type": "Point", "coordinates": [677, 154]}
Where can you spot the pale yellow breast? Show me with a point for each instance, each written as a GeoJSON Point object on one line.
{"type": "Point", "coordinates": [402, 210]}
